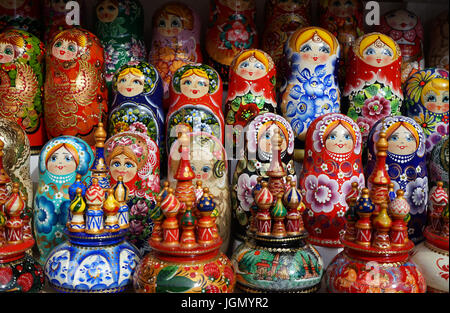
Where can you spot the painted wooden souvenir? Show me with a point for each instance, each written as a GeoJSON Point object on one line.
{"type": "Point", "coordinates": [195, 103]}
{"type": "Point", "coordinates": [438, 163]}
{"type": "Point", "coordinates": [137, 97]}
{"type": "Point", "coordinates": [96, 258]}
{"type": "Point", "coordinates": [312, 87]}
{"type": "Point", "coordinates": [21, 14]}
{"type": "Point", "coordinates": [231, 29]}
{"type": "Point", "coordinates": [438, 52]}
{"type": "Point", "coordinates": [332, 163]}
{"type": "Point", "coordinates": [406, 29]}
{"type": "Point", "coordinates": [54, 14]}
{"type": "Point", "coordinates": [75, 93]}
{"type": "Point", "coordinates": [380, 245]}
{"type": "Point", "coordinates": [134, 156]}
{"type": "Point", "coordinates": [256, 163]}
{"type": "Point", "coordinates": [19, 272]}
{"type": "Point", "coordinates": [21, 83]}
{"type": "Point", "coordinates": [209, 162]}
{"type": "Point", "coordinates": [16, 158]}
{"type": "Point", "coordinates": [427, 102]}
{"type": "Point", "coordinates": [276, 256]}
{"type": "Point", "coordinates": [185, 254]}
{"type": "Point", "coordinates": [61, 159]}
{"type": "Point", "coordinates": [251, 89]}
{"type": "Point", "coordinates": [406, 165]}
{"type": "Point", "coordinates": [282, 18]}
{"type": "Point", "coordinates": [373, 81]}
{"type": "Point", "coordinates": [432, 255]}
{"type": "Point", "coordinates": [119, 24]}
{"type": "Point", "coordinates": [175, 41]}
{"type": "Point", "coordinates": [344, 19]}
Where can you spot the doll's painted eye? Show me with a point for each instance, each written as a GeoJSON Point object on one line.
{"type": "Point", "coordinates": [202, 83]}
{"type": "Point", "coordinates": [8, 51]}
{"type": "Point", "coordinates": [206, 169]}
{"type": "Point", "coordinates": [137, 82]}
{"type": "Point", "coordinates": [111, 8]}
{"type": "Point", "coordinates": [393, 138]}
{"type": "Point", "coordinates": [305, 48]}
{"type": "Point", "coordinates": [387, 52]}
{"type": "Point", "coordinates": [445, 99]}
{"type": "Point", "coordinates": [347, 137]}
{"type": "Point", "coordinates": [244, 64]}
{"type": "Point", "coordinates": [370, 51]}
{"type": "Point", "coordinates": [332, 136]}
{"type": "Point", "coordinates": [187, 82]}
{"type": "Point", "coordinates": [409, 138]}
{"type": "Point", "coordinates": [68, 158]}
{"type": "Point", "coordinates": [72, 48]}
{"type": "Point", "coordinates": [123, 80]}
{"type": "Point", "coordinates": [129, 165]}
{"type": "Point", "coordinates": [53, 158]}
{"type": "Point", "coordinates": [58, 44]}
{"type": "Point", "coordinates": [349, 3]}
{"type": "Point", "coordinates": [101, 9]}
{"type": "Point", "coordinates": [193, 167]}
{"type": "Point", "coordinates": [431, 98]}
{"type": "Point", "coordinates": [162, 23]}
{"type": "Point", "coordinates": [411, 16]}
{"type": "Point", "coordinates": [260, 66]}
{"type": "Point", "coordinates": [116, 164]}
{"type": "Point", "coordinates": [175, 23]}
{"type": "Point", "coordinates": [324, 49]}
{"type": "Point", "coordinates": [267, 135]}
{"type": "Point", "coordinates": [336, 3]}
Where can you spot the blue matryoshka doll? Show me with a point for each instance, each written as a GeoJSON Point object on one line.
{"type": "Point", "coordinates": [60, 160]}
{"type": "Point", "coordinates": [406, 165]}
{"type": "Point", "coordinates": [138, 93]}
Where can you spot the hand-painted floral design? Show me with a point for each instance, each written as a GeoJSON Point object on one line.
{"type": "Point", "coordinates": [236, 33]}
{"type": "Point", "coordinates": [44, 217]}
{"type": "Point", "coordinates": [245, 190]}
{"type": "Point", "coordinates": [376, 108]}
{"type": "Point", "coordinates": [322, 193]}
{"type": "Point", "coordinates": [417, 194]}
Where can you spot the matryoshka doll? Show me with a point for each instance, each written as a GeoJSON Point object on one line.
{"type": "Point", "coordinates": [119, 24]}
{"type": "Point", "coordinates": [406, 166]}
{"type": "Point", "coordinates": [21, 14]}
{"type": "Point", "coordinates": [231, 29]}
{"type": "Point", "coordinates": [208, 160]}
{"type": "Point", "coordinates": [427, 102]}
{"type": "Point", "coordinates": [251, 88]}
{"type": "Point", "coordinates": [137, 97]}
{"type": "Point", "coordinates": [21, 83]}
{"type": "Point", "coordinates": [195, 103]}
{"type": "Point", "coordinates": [255, 162]}
{"type": "Point", "coordinates": [282, 18]}
{"type": "Point", "coordinates": [54, 14]}
{"type": "Point", "coordinates": [175, 41]}
{"type": "Point", "coordinates": [343, 18]}
{"type": "Point", "coordinates": [75, 89]}
{"type": "Point", "coordinates": [332, 163]}
{"type": "Point", "coordinates": [373, 81]}
{"type": "Point", "coordinates": [438, 52]}
{"type": "Point", "coordinates": [134, 156]}
{"type": "Point", "coordinates": [60, 161]}
{"type": "Point", "coordinates": [312, 87]}
{"type": "Point", "coordinates": [406, 29]}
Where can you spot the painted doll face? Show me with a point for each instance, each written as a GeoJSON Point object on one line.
{"type": "Point", "coordinates": [342, 8]}
{"type": "Point", "coordinates": [378, 54]}
{"type": "Point", "coordinates": [202, 163]}
{"type": "Point", "coordinates": [401, 20]}
{"type": "Point", "coordinates": [194, 86]}
{"type": "Point", "coordinates": [436, 101]}
{"type": "Point", "coordinates": [315, 51]}
{"type": "Point", "coordinates": [339, 140]}
{"type": "Point", "coordinates": [265, 140]}
{"type": "Point", "coordinates": [6, 53]}
{"type": "Point", "coordinates": [59, 5]}
{"type": "Point", "coordinates": [130, 85]}
{"type": "Point", "coordinates": [170, 25]}
{"type": "Point", "coordinates": [238, 5]}
{"type": "Point", "coordinates": [122, 165]}
{"type": "Point", "coordinates": [61, 162]}
{"type": "Point", "coordinates": [251, 69]}
{"type": "Point", "coordinates": [107, 11]}
{"type": "Point", "coordinates": [289, 5]}
{"type": "Point", "coordinates": [11, 4]}
{"type": "Point", "coordinates": [65, 50]}
{"type": "Point", "coordinates": [402, 142]}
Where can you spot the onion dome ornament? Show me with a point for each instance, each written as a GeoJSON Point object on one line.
{"type": "Point", "coordinates": [186, 257]}
{"type": "Point", "coordinates": [380, 241]}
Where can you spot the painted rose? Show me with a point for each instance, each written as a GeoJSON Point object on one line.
{"type": "Point", "coordinates": [417, 193]}
{"type": "Point", "coordinates": [322, 193]}
{"type": "Point", "coordinates": [245, 188]}
{"type": "Point", "coordinates": [376, 108]}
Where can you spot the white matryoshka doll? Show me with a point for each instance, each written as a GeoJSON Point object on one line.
{"type": "Point", "coordinates": [312, 87]}
{"type": "Point", "coordinates": [134, 156]}
{"type": "Point", "coordinates": [332, 163]}
{"type": "Point", "coordinates": [209, 162]}
{"type": "Point", "coordinates": [406, 29]}
{"type": "Point", "coordinates": [255, 162]}
{"type": "Point", "coordinates": [195, 103]}
{"type": "Point", "coordinates": [373, 81]}
{"type": "Point", "coordinates": [60, 161]}
{"type": "Point", "coordinates": [175, 41]}
{"type": "Point", "coordinates": [427, 102]}
{"type": "Point", "coordinates": [406, 166]}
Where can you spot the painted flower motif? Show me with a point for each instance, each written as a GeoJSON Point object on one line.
{"type": "Point", "coordinates": [364, 125]}
{"type": "Point", "coordinates": [340, 175]}
{"type": "Point", "coordinates": [346, 187]}
{"type": "Point", "coordinates": [237, 33]}
{"type": "Point", "coordinates": [245, 190]}
{"type": "Point", "coordinates": [96, 272]}
{"type": "Point", "coordinates": [416, 83]}
{"type": "Point", "coordinates": [139, 209]}
{"type": "Point", "coordinates": [45, 217]}
{"type": "Point", "coordinates": [427, 122]}
{"type": "Point", "coordinates": [376, 108]}
{"type": "Point", "coordinates": [403, 177]}
{"type": "Point", "coordinates": [355, 166]}
{"type": "Point", "coordinates": [418, 169]}
{"type": "Point", "coordinates": [324, 167]}
{"type": "Point", "coordinates": [136, 227]}
{"type": "Point", "coordinates": [321, 193]}
{"type": "Point", "coordinates": [342, 232]}
{"type": "Point", "coordinates": [317, 230]}
{"type": "Point", "coordinates": [416, 193]}
{"type": "Point", "coordinates": [246, 113]}
{"type": "Point", "coordinates": [340, 213]}
{"type": "Point", "coordinates": [54, 267]}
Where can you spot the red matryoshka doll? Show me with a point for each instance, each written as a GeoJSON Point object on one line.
{"type": "Point", "coordinates": [373, 81]}
{"type": "Point", "coordinates": [55, 12]}
{"type": "Point", "coordinates": [344, 18]}
{"type": "Point", "coordinates": [21, 14]}
{"type": "Point", "coordinates": [21, 83]}
{"type": "Point", "coordinates": [332, 163]}
{"type": "Point", "coordinates": [75, 89]}
{"type": "Point", "coordinates": [282, 18]}
{"type": "Point", "coordinates": [251, 89]}
{"type": "Point", "coordinates": [175, 41]}
{"type": "Point", "coordinates": [134, 156]}
{"type": "Point", "coordinates": [406, 29]}
{"type": "Point", "coordinates": [231, 29]}
{"type": "Point", "coordinates": [438, 52]}
{"type": "Point", "coordinates": [195, 103]}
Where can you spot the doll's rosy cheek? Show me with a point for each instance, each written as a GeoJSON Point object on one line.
{"type": "Point", "coordinates": [323, 58]}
